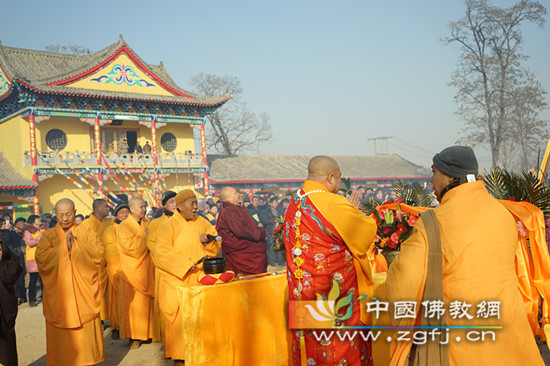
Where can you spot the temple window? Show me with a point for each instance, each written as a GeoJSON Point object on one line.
{"type": "Point", "coordinates": [56, 139]}
{"type": "Point", "coordinates": [169, 142]}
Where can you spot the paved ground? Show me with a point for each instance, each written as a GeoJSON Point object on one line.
{"type": "Point", "coordinates": [31, 344]}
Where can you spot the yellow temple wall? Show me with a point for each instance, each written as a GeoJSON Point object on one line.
{"type": "Point", "coordinates": [79, 134]}
{"type": "Point", "coordinates": [53, 189]}
{"type": "Point", "coordinates": [13, 136]}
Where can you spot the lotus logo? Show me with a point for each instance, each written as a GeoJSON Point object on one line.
{"type": "Point", "coordinates": [328, 310]}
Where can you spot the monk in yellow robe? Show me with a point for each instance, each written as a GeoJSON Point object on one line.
{"type": "Point", "coordinates": [181, 242]}
{"type": "Point", "coordinates": [68, 259]}
{"type": "Point", "coordinates": [479, 239]}
{"type": "Point", "coordinates": [169, 204]}
{"type": "Point", "coordinates": [122, 211]}
{"type": "Point", "coordinates": [98, 221]}
{"type": "Point", "coordinates": [137, 276]}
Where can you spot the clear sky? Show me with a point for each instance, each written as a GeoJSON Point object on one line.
{"type": "Point", "coordinates": [331, 74]}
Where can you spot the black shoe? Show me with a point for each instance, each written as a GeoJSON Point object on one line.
{"type": "Point", "coordinates": [32, 304]}
{"type": "Point", "coordinates": [115, 335]}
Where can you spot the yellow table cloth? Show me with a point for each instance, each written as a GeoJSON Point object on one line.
{"type": "Point", "coordinates": [238, 323]}
{"type": "Point", "coordinates": [245, 323]}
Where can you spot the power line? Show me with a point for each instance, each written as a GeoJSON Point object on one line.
{"type": "Point", "coordinates": [421, 154]}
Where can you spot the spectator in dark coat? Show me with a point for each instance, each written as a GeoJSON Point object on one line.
{"type": "Point", "coordinates": [16, 244]}
{"type": "Point", "coordinates": [9, 273]}
{"type": "Point", "coordinates": [243, 240]}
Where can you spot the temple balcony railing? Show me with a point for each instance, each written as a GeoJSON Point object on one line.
{"type": "Point", "coordinates": [65, 159]}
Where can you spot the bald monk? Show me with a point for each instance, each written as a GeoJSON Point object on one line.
{"type": "Point", "coordinates": [98, 221]}
{"type": "Point", "coordinates": [169, 205]}
{"type": "Point", "coordinates": [137, 276]}
{"type": "Point", "coordinates": [479, 239]}
{"type": "Point", "coordinates": [181, 242]}
{"type": "Point", "coordinates": [243, 239]}
{"type": "Point", "coordinates": [327, 240]}
{"type": "Point", "coordinates": [68, 259]}
{"type": "Point", "coordinates": [121, 212]}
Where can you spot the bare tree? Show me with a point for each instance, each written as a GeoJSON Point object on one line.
{"type": "Point", "coordinates": [498, 97]}
{"type": "Point", "coordinates": [71, 49]}
{"type": "Point", "coordinates": [233, 129]}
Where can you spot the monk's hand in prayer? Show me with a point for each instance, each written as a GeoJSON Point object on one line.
{"type": "Point", "coordinates": [260, 224]}
{"type": "Point", "coordinates": [355, 198]}
{"type": "Point", "coordinates": [70, 240]}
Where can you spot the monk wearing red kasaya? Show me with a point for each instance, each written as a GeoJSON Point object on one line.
{"type": "Point", "coordinates": [326, 240]}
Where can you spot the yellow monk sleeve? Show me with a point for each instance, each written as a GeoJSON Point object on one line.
{"type": "Point", "coordinates": [406, 282]}
{"type": "Point", "coordinates": [87, 248]}
{"type": "Point", "coordinates": [130, 241]}
{"type": "Point", "coordinates": [47, 253]}
{"type": "Point", "coordinates": [152, 235]}
{"type": "Point", "coordinates": [166, 251]}
{"type": "Point", "coordinates": [109, 240]}
{"type": "Point", "coordinates": [358, 232]}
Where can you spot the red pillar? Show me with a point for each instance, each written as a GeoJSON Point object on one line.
{"type": "Point", "coordinates": [154, 142]}
{"type": "Point", "coordinates": [34, 161]}
{"type": "Point", "coordinates": [97, 140]}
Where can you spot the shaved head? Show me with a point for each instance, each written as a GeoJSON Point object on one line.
{"type": "Point", "coordinates": [65, 213]}
{"type": "Point", "coordinates": [225, 192]}
{"type": "Point", "coordinates": [101, 209]}
{"type": "Point", "coordinates": [325, 170]}
{"type": "Point", "coordinates": [64, 202]}
{"type": "Point", "coordinates": [135, 201]}
{"type": "Point", "coordinates": [138, 208]}
{"type": "Point", "coordinates": [98, 203]}
{"type": "Point", "coordinates": [231, 195]}
{"type": "Point", "coordinates": [321, 166]}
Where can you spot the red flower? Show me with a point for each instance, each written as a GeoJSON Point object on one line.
{"type": "Point", "coordinates": [401, 228]}
{"type": "Point", "coordinates": [278, 230]}
{"type": "Point", "coordinates": [386, 230]}
{"type": "Point", "coordinates": [412, 220]}
{"type": "Point", "coordinates": [394, 240]}
{"type": "Point", "coordinates": [512, 198]}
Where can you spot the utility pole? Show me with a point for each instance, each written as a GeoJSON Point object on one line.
{"type": "Point", "coordinates": [381, 138]}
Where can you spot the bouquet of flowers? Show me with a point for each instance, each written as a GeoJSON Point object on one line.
{"type": "Point", "coordinates": [394, 227]}
{"type": "Point", "coordinates": [278, 243]}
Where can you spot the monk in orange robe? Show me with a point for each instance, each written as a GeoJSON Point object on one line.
{"type": "Point", "coordinates": [181, 242]}
{"type": "Point", "coordinates": [122, 211]}
{"type": "Point", "coordinates": [169, 204]}
{"type": "Point", "coordinates": [327, 241]}
{"type": "Point", "coordinates": [98, 221]}
{"type": "Point", "coordinates": [137, 276]}
{"type": "Point", "coordinates": [68, 259]}
{"type": "Point", "coordinates": [479, 239]}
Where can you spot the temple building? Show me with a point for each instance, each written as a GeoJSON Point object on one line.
{"type": "Point", "coordinates": [104, 125]}
{"type": "Point", "coordinates": [253, 173]}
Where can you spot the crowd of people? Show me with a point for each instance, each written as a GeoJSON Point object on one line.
{"type": "Point", "coordinates": [119, 266]}
{"type": "Point", "coordinates": [126, 263]}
